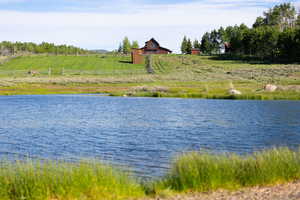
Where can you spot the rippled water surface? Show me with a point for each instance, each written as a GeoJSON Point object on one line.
{"type": "Point", "coordinates": [142, 133]}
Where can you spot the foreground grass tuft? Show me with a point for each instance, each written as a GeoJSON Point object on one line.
{"type": "Point", "coordinates": [60, 180]}
{"type": "Point", "coordinates": [205, 172]}
{"type": "Point", "coordinates": [191, 172]}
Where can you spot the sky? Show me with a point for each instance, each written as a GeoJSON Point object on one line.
{"type": "Point", "coordinates": [102, 24]}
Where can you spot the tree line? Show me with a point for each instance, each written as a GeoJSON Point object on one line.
{"type": "Point", "coordinates": [126, 46]}
{"type": "Point", "coordinates": [187, 45]}
{"type": "Point", "coordinates": [18, 48]}
{"type": "Point", "coordinates": [274, 36]}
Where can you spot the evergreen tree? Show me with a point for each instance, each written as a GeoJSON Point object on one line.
{"type": "Point", "coordinates": [206, 46]}
{"type": "Point", "coordinates": [189, 47]}
{"type": "Point", "coordinates": [184, 45]}
{"type": "Point", "coordinates": [215, 41]}
{"type": "Point", "coordinates": [120, 48]}
{"type": "Point", "coordinates": [222, 35]}
{"type": "Point", "coordinates": [126, 46]}
{"type": "Point", "coordinates": [196, 44]}
{"type": "Point", "coordinates": [274, 36]}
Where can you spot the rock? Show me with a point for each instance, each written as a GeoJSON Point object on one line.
{"type": "Point", "coordinates": [271, 88]}
{"type": "Point", "coordinates": [234, 92]}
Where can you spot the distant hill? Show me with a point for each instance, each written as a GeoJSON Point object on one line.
{"type": "Point", "coordinates": [100, 51]}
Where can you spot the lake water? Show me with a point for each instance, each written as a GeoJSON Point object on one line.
{"type": "Point", "coordinates": [142, 133]}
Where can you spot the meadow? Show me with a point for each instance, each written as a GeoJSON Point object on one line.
{"type": "Point", "coordinates": [190, 172]}
{"type": "Point", "coordinates": [69, 65]}
{"type": "Point", "coordinates": [185, 76]}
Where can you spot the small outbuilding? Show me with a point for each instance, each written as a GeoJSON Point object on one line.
{"type": "Point", "coordinates": [195, 52]}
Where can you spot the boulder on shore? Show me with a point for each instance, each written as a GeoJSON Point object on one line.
{"type": "Point", "coordinates": [234, 92]}
{"type": "Point", "coordinates": [270, 88]}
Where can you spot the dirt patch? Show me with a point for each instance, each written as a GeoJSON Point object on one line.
{"type": "Point", "coordinates": [289, 87]}
{"type": "Point", "coordinates": [151, 89]}
{"type": "Point", "coordinates": [289, 191]}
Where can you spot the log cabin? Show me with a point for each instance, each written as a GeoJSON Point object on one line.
{"type": "Point", "coordinates": [151, 47]}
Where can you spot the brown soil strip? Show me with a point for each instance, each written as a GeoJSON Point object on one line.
{"type": "Point", "coordinates": [290, 191]}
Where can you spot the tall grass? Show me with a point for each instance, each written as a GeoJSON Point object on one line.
{"type": "Point", "coordinates": [34, 180]}
{"type": "Point", "coordinates": [195, 171]}
{"type": "Point", "coordinates": [205, 172]}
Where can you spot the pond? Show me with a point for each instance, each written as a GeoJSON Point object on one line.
{"type": "Point", "coordinates": [141, 133]}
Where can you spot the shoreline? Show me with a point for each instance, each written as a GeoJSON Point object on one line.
{"type": "Point", "coordinates": [192, 90]}
{"type": "Point", "coordinates": [192, 176]}
{"type": "Point", "coordinates": [279, 191]}
{"type": "Point", "coordinates": [258, 97]}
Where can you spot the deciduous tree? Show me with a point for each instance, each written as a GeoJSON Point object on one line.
{"type": "Point", "coordinates": [126, 46]}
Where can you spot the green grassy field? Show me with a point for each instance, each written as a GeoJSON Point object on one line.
{"type": "Point", "coordinates": [70, 65]}
{"type": "Point", "coordinates": [190, 172]}
{"type": "Point", "coordinates": [183, 76]}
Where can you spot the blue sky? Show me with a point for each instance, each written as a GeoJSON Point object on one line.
{"type": "Point", "coordinates": [115, 5]}
{"type": "Point", "coordinates": [97, 24]}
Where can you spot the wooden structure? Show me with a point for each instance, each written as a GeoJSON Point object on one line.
{"type": "Point", "coordinates": [227, 47]}
{"type": "Point", "coordinates": [151, 47]}
{"type": "Point", "coordinates": [137, 56]}
{"type": "Point", "coordinates": [195, 52]}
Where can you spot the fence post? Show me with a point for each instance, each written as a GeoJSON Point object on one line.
{"type": "Point", "coordinates": [63, 71]}
{"type": "Point", "coordinates": [49, 71]}
{"type": "Point", "coordinates": [148, 64]}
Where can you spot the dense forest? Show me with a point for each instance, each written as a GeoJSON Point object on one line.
{"type": "Point", "coordinates": [21, 48]}
{"type": "Point", "coordinates": [274, 36]}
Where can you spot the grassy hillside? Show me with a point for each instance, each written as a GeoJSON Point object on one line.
{"type": "Point", "coordinates": [175, 76]}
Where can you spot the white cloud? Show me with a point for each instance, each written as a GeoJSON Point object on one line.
{"type": "Point", "coordinates": [167, 23]}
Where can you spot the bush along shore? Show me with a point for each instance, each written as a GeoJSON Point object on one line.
{"type": "Point", "coordinates": [190, 172]}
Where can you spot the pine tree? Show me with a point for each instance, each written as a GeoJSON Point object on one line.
{"type": "Point", "coordinates": [126, 46]}
{"type": "Point", "coordinates": [196, 44]}
{"type": "Point", "coordinates": [206, 45]}
{"type": "Point", "coordinates": [120, 48]}
{"type": "Point", "coordinates": [189, 47]}
{"type": "Point", "coordinates": [184, 45]}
